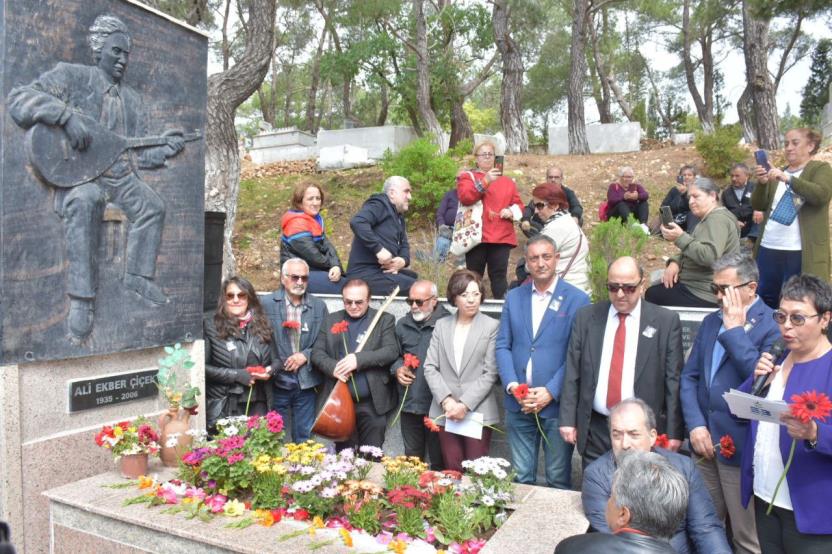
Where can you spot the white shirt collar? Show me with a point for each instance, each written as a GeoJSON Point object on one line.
{"type": "Point", "coordinates": [550, 290]}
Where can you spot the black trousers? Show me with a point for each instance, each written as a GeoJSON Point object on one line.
{"type": "Point", "coordinates": [678, 295]}
{"type": "Point", "coordinates": [421, 442]}
{"type": "Point", "coordinates": [623, 209]}
{"type": "Point", "coordinates": [369, 427]}
{"type": "Point", "coordinates": [778, 533]}
{"type": "Point", "coordinates": [598, 439]}
{"type": "Point", "coordinates": [495, 256]}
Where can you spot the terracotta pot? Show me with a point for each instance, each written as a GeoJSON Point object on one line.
{"type": "Point", "coordinates": [175, 421]}
{"type": "Point", "coordinates": [337, 418]}
{"type": "Point", "coordinates": [133, 465]}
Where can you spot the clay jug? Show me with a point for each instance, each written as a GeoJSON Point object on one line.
{"type": "Point", "coordinates": [174, 422]}
{"type": "Point", "coordinates": [133, 465]}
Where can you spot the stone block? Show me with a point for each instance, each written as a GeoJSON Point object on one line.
{"type": "Point", "coordinates": [376, 140]}
{"type": "Point", "coordinates": [602, 138]}
{"type": "Point", "coordinates": [826, 120]}
{"type": "Point", "coordinates": [682, 138]}
{"type": "Point", "coordinates": [343, 157]}
{"type": "Point", "coordinates": [283, 145]}
{"type": "Point", "coordinates": [54, 240]}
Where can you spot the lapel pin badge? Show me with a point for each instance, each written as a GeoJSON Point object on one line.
{"type": "Point", "coordinates": [649, 331]}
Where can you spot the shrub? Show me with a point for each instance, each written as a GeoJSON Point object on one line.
{"type": "Point", "coordinates": [430, 173]}
{"type": "Point", "coordinates": [720, 150]}
{"type": "Point", "coordinates": [610, 240]}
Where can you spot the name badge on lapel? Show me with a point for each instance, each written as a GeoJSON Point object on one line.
{"type": "Point", "coordinates": [554, 305]}
{"type": "Point", "coordinates": [231, 346]}
{"type": "Point", "coordinates": [649, 331]}
{"type": "Point", "coordinates": [748, 325]}
{"type": "Point", "coordinates": [305, 328]}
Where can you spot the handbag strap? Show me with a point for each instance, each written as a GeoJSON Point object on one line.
{"type": "Point", "coordinates": [572, 259]}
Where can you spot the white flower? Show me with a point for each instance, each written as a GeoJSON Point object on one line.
{"type": "Point", "coordinates": [329, 492]}
{"type": "Point", "coordinates": [487, 500]}
{"type": "Point", "coordinates": [307, 470]}
{"type": "Point", "coordinates": [373, 451]}
{"type": "Point", "coordinates": [500, 474]}
{"type": "Point", "coordinates": [178, 490]}
{"type": "Point", "coordinates": [172, 441]}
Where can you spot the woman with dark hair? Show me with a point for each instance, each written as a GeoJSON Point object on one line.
{"type": "Point", "coordinates": [795, 236]}
{"type": "Point", "coordinates": [799, 521]}
{"type": "Point", "coordinates": [552, 207]}
{"type": "Point", "coordinates": [461, 369]}
{"type": "Point", "coordinates": [687, 277]}
{"type": "Point", "coordinates": [302, 236]}
{"type": "Point", "coordinates": [677, 199]}
{"type": "Point", "coordinates": [237, 339]}
{"type": "Point", "coordinates": [501, 207]}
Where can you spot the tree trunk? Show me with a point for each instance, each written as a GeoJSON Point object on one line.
{"type": "Point", "coordinates": [511, 89]}
{"type": "Point", "coordinates": [226, 91]}
{"type": "Point", "coordinates": [600, 90]}
{"type": "Point", "coordinates": [706, 116]}
{"type": "Point", "coordinates": [460, 125]}
{"type": "Point", "coordinates": [424, 107]}
{"type": "Point", "coordinates": [315, 80]}
{"type": "Point", "coordinates": [577, 73]}
{"type": "Point", "coordinates": [385, 105]}
{"type": "Point", "coordinates": [745, 111]}
{"type": "Point", "coordinates": [755, 49]}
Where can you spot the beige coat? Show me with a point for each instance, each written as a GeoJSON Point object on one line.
{"type": "Point", "coordinates": [473, 385]}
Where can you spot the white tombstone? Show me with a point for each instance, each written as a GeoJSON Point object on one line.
{"type": "Point", "coordinates": [344, 156]}
{"type": "Point", "coordinates": [282, 145]}
{"type": "Point", "coordinates": [603, 138]}
{"type": "Point", "coordinates": [376, 140]}
{"type": "Point", "coordinates": [682, 138]}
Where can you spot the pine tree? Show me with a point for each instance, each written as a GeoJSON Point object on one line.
{"type": "Point", "coordinates": [816, 91]}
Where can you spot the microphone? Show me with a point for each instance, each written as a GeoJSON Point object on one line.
{"type": "Point", "coordinates": [776, 351]}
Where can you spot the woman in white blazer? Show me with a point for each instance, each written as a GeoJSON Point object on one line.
{"type": "Point", "coordinates": [461, 369]}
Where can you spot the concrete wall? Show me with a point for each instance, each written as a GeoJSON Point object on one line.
{"type": "Point", "coordinates": [607, 137]}
{"type": "Point", "coordinates": [283, 145]}
{"type": "Point", "coordinates": [375, 139]}
{"type": "Point", "coordinates": [42, 446]}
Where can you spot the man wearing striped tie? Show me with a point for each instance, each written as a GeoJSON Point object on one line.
{"type": "Point", "coordinates": [621, 348]}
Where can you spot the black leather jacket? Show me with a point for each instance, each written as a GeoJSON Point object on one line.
{"type": "Point", "coordinates": [226, 379]}
{"type": "Point", "coordinates": [620, 543]}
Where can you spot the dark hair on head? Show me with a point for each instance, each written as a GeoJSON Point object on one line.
{"type": "Point", "coordinates": [300, 190]}
{"type": "Point", "coordinates": [459, 281]}
{"type": "Point", "coordinates": [228, 326]}
{"type": "Point", "coordinates": [553, 194]}
{"type": "Point", "coordinates": [811, 135]}
{"type": "Point", "coordinates": [805, 287]}
{"type": "Point", "coordinates": [355, 283]}
{"type": "Point", "coordinates": [540, 237]}
{"type": "Point", "coordinates": [741, 166]}
{"type": "Point", "coordinates": [688, 167]}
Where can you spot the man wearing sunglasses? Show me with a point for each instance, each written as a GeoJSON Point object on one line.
{"type": "Point", "coordinates": [724, 353]}
{"type": "Point", "coordinates": [619, 349]}
{"type": "Point", "coordinates": [414, 331]}
{"type": "Point", "coordinates": [294, 379]}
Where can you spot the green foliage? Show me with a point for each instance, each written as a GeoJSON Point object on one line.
{"type": "Point", "coordinates": [720, 149]}
{"type": "Point", "coordinates": [485, 120]}
{"type": "Point", "coordinates": [611, 240]}
{"type": "Point", "coordinates": [816, 91]}
{"type": "Point", "coordinates": [430, 173]}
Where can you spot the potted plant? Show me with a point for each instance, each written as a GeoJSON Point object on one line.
{"type": "Point", "coordinates": [181, 397]}
{"type": "Point", "coordinates": [130, 444]}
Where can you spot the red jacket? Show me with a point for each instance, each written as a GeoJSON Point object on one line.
{"type": "Point", "coordinates": [501, 193]}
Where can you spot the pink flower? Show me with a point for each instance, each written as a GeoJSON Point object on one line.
{"type": "Point", "coordinates": [274, 422]}
{"type": "Point", "coordinates": [253, 421]}
{"type": "Point", "coordinates": [169, 495]}
{"type": "Point", "coordinates": [194, 492]}
{"type": "Point", "coordinates": [234, 458]}
{"type": "Point", "coordinates": [216, 502]}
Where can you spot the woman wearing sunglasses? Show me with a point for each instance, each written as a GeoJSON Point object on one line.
{"type": "Point", "coordinates": [687, 277]}
{"type": "Point", "coordinates": [303, 236]}
{"type": "Point", "coordinates": [237, 339]}
{"type": "Point", "coordinates": [799, 521]}
{"type": "Point", "coordinates": [551, 206]}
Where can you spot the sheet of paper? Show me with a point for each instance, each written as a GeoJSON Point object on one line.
{"type": "Point", "coordinates": [469, 426]}
{"type": "Point", "coordinates": [746, 406]}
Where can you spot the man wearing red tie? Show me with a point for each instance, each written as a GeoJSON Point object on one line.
{"type": "Point", "coordinates": [621, 349]}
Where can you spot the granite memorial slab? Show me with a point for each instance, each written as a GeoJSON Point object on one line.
{"type": "Point", "coordinates": [602, 138]}
{"type": "Point", "coordinates": [101, 179]}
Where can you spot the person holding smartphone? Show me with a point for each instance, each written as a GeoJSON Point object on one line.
{"type": "Point", "coordinates": [626, 196]}
{"type": "Point", "coordinates": [795, 224]}
{"type": "Point", "coordinates": [677, 199]}
{"type": "Point", "coordinates": [501, 208]}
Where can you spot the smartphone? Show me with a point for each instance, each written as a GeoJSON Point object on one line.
{"type": "Point", "coordinates": [680, 179]}
{"type": "Point", "coordinates": [498, 163]}
{"type": "Point", "coordinates": [667, 215]}
{"type": "Point", "coordinates": [762, 159]}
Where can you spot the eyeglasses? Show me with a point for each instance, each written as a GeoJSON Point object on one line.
{"type": "Point", "coordinates": [539, 205]}
{"type": "Point", "coordinates": [486, 155]}
{"type": "Point", "coordinates": [411, 301]}
{"type": "Point", "coordinates": [628, 289]}
{"type": "Point", "coordinates": [301, 278]}
{"type": "Point", "coordinates": [553, 177]}
{"type": "Point", "coordinates": [797, 320]}
{"type": "Point", "coordinates": [234, 295]}
{"type": "Point", "coordinates": [354, 302]}
{"type": "Point", "coordinates": [717, 288]}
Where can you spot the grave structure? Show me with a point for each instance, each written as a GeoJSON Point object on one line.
{"type": "Point", "coordinates": [101, 232]}
{"type": "Point", "coordinates": [602, 138]}
{"type": "Point", "coordinates": [280, 145]}
{"type": "Point", "coordinates": [375, 139]}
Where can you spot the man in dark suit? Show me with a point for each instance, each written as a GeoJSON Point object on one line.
{"type": "Point", "coordinates": [619, 349]}
{"type": "Point", "coordinates": [724, 354]}
{"type": "Point", "coordinates": [648, 501]}
{"type": "Point", "coordinates": [531, 349]}
{"type": "Point", "coordinates": [367, 371]}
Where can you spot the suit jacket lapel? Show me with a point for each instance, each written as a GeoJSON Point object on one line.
{"type": "Point", "coordinates": [595, 337]}
{"type": "Point", "coordinates": [526, 307]}
{"type": "Point", "coordinates": [643, 349]}
{"type": "Point", "coordinates": [549, 315]}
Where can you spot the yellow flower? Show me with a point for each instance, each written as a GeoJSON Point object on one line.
{"type": "Point", "coordinates": [234, 508]}
{"type": "Point", "coordinates": [264, 517]}
{"type": "Point", "coordinates": [118, 431]}
{"type": "Point", "coordinates": [317, 522]}
{"type": "Point", "coordinates": [346, 537]}
{"type": "Point", "coordinates": [397, 546]}
{"type": "Point", "coordinates": [145, 482]}
{"type": "Point", "coordinates": [187, 500]}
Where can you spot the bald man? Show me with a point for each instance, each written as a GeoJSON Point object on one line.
{"type": "Point", "coordinates": [621, 348]}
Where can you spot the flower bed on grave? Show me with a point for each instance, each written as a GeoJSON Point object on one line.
{"type": "Point", "coordinates": [249, 476]}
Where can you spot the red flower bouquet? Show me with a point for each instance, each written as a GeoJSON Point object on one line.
{"type": "Point", "coordinates": [410, 362]}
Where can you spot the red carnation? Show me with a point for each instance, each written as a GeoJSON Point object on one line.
{"type": "Point", "coordinates": [810, 405]}
{"type": "Point", "coordinates": [291, 324]}
{"type": "Point", "coordinates": [411, 361]}
{"type": "Point", "coordinates": [340, 327]}
{"type": "Point", "coordinates": [521, 391]}
{"type": "Point", "coordinates": [662, 441]}
{"type": "Point", "coordinates": [727, 447]}
{"type": "Point", "coordinates": [430, 424]}
{"type": "Point", "coordinates": [300, 515]}
{"type": "Point", "coordinates": [256, 369]}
